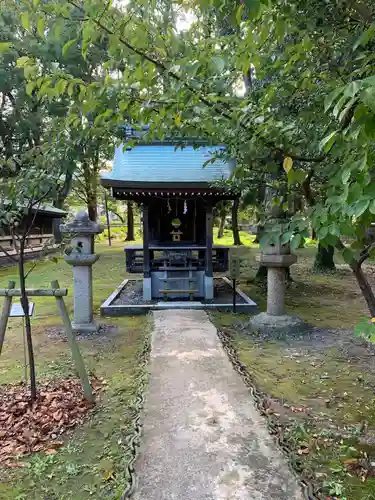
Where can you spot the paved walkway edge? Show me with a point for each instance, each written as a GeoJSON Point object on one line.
{"type": "Point", "coordinates": [203, 438]}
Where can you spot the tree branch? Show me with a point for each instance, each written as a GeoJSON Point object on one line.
{"type": "Point", "coordinates": [11, 257]}
{"type": "Point", "coordinates": [118, 215]}
{"type": "Point", "coordinates": [163, 68]}
{"type": "Point", "coordinates": [158, 64]}
{"type": "Point", "coordinates": [365, 254]}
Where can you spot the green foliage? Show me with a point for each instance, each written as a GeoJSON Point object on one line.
{"type": "Point", "coordinates": [366, 329]}
{"type": "Point", "coordinates": [308, 96]}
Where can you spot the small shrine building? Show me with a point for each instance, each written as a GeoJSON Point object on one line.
{"type": "Point", "coordinates": [177, 189]}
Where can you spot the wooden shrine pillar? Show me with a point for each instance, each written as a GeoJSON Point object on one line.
{"type": "Point", "coordinates": [208, 278]}
{"type": "Point", "coordinates": [147, 289]}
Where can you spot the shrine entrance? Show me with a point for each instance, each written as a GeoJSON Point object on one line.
{"type": "Point", "coordinates": [177, 191]}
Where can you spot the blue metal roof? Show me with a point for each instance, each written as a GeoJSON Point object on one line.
{"type": "Point", "coordinates": [166, 164]}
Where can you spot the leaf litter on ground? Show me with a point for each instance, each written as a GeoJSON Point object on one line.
{"type": "Point", "coordinates": [27, 427]}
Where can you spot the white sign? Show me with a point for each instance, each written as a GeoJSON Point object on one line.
{"type": "Point", "coordinates": [17, 310]}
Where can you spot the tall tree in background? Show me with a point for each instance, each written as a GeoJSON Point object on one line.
{"type": "Point", "coordinates": [299, 55]}
{"type": "Point", "coordinates": [235, 229]}
{"type": "Point", "coordinates": [221, 211]}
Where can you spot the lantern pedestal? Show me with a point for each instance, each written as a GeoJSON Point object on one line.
{"type": "Point", "coordinates": [82, 258]}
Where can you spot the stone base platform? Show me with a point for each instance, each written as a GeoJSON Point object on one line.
{"type": "Point", "coordinates": [267, 323]}
{"type": "Point", "coordinates": [133, 305]}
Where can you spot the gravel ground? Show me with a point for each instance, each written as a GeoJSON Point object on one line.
{"type": "Point", "coordinates": [132, 294]}
{"type": "Point", "coordinates": [104, 331]}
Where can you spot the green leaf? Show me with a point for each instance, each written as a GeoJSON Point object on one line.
{"type": "Point", "coordinates": [348, 108]}
{"type": "Point", "coordinates": [348, 256]}
{"type": "Point", "coordinates": [296, 176]}
{"type": "Point", "coordinates": [40, 27]}
{"type": "Point", "coordinates": [67, 46]}
{"type": "Point", "coordinates": [340, 103]}
{"type": "Point", "coordinates": [328, 141]}
{"type": "Point", "coordinates": [239, 13]}
{"type": "Point", "coordinates": [82, 93]}
{"type": "Point", "coordinates": [295, 241]}
{"type": "Point", "coordinates": [329, 100]}
{"type": "Point", "coordinates": [322, 233]}
{"type": "Point", "coordinates": [345, 176]}
{"type": "Point", "coordinates": [71, 87]}
{"type": "Point", "coordinates": [25, 20]}
{"type": "Point", "coordinates": [30, 87]}
{"type": "Point", "coordinates": [4, 47]}
{"type": "Point", "coordinates": [346, 229]}
{"type": "Point", "coordinates": [286, 237]}
{"type": "Point", "coordinates": [334, 229]}
{"type": "Point", "coordinates": [23, 61]}
{"type": "Point", "coordinates": [361, 207]}
{"type": "Point", "coordinates": [355, 192]}
{"type": "Point", "coordinates": [253, 7]}
{"type": "Point", "coordinates": [361, 163]}
{"type": "Point", "coordinates": [331, 239]}
{"type": "Point", "coordinates": [352, 88]}
{"type": "Point", "coordinates": [219, 64]}
{"type": "Point", "coordinates": [265, 240]}
{"type": "Point", "coordinates": [372, 207]}
{"type": "Point", "coordinates": [368, 98]}
{"type": "Point", "coordinates": [365, 37]}
{"type": "Point", "coordinates": [61, 86]}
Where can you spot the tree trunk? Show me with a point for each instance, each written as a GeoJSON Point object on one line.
{"type": "Point", "coordinates": [130, 222]}
{"type": "Point", "coordinates": [236, 232]}
{"type": "Point", "coordinates": [57, 236]}
{"type": "Point", "coordinates": [25, 307]}
{"type": "Point", "coordinates": [365, 288]}
{"type": "Point", "coordinates": [261, 275]}
{"type": "Point", "coordinates": [91, 175]}
{"type": "Point", "coordinates": [59, 202]}
{"type": "Point", "coordinates": [258, 234]}
{"type": "Point", "coordinates": [324, 262]}
{"type": "Point", "coordinates": [361, 280]}
{"type": "Point", "coordinates": [92, 208]}
{"type": "Point", "coordinates": [107, 217]}
{"type": "Point", "coordinates": [220, 233]}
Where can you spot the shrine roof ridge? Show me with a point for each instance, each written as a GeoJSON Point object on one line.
{"type": "Point", "coordinates": [161, 162]}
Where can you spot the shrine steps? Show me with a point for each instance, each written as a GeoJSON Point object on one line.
{"type": "Point", "coordinates": [177, 268]}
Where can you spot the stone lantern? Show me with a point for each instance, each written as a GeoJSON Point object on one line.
{"type": "Point", "coordinates": [82, 258]}
{"type": "Point", "coordinates": [277, 259]}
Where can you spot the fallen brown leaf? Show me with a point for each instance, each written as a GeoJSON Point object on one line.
{"type": "Point", "coordinates": [28, 428]}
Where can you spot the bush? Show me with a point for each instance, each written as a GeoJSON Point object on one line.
{"type": "Point", "coordinates": [117, 234]}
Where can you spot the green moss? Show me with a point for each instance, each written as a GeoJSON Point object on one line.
{"type": "Point", "coordinates": [91, 464]}
{"type": "Point", "coordinates": [334, 392]}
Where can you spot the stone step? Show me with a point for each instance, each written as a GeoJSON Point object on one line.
{"type": "Point", "coordinates": [176, 268]}
{"type": "Point", "coordinates": [178, 291]}
{"type": "Point", "coordinates": [182, 278]}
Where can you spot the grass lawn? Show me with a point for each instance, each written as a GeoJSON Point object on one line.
{"type": "Point", "coordinates": [321, 388]}
{"type": "Point", "coordinates": [91, 464]}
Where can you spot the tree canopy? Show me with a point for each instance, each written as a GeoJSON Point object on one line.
{"type": "Point", "coordinates": [288, 87]}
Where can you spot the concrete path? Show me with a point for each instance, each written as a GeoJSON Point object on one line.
{"type": "Point", "coordinates": [203, 438]}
